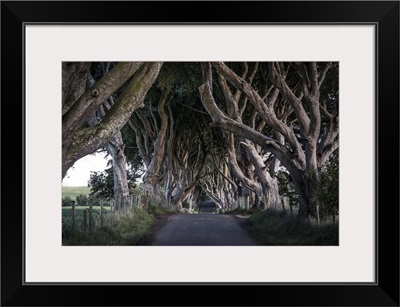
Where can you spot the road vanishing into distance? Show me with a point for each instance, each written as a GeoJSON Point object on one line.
{"type": "Point", "coordinates": [204, 228]}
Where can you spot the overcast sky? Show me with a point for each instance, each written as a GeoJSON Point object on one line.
{"type": "Point", "coordinates": [79, 174]}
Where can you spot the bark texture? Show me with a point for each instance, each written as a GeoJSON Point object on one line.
{"type": "Point", "coordinates": [78, 140]}
{"type": "Point", "coordinates": [302, 153]}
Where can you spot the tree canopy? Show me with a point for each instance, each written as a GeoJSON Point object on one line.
{"type": "Point", "coordinates": [224, 129]}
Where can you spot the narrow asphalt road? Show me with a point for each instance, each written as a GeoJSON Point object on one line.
{"type": "Point", "coordinates": [203, 229]}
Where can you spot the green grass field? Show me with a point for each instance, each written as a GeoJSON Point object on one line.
{"type": "Point", "coordinates": [73, 192]}
{"type": "Point", "coordinates": [67, 216]}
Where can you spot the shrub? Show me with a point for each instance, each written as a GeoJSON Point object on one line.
{"type": "Point", "coordinates": [156, 209]}
{"type": "Point", "coordinates": [185, 205]}
{"type": "Point", "coordinates": [327, 191]}
{"type": "Point", "coordinates": [67, 201]}
{"type": "Point", "coordinates": [286, 187]}
{"type": "Point", "coordinates": [82, 200]}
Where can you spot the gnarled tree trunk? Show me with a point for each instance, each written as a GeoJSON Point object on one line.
{"type": "Point", "coordinates": [299, 154]}
{"type": "Point", "coordinates": [121, 190]}
{"type": "Point", "coordinates": [78, 141]}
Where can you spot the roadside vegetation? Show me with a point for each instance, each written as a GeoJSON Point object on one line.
{"type": "Point", "coordinates": [125, 227]}
{"type": "Point", "coordinates": [277, 227]}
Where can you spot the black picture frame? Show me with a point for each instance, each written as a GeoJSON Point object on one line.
{"type": "Point", "coordinates": [383, 14]}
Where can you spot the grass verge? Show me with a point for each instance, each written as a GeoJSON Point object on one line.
{"type": "Point", "coordinates": [272, 227]}
{"type": "Point", "coordinates": [156, 210]}
{"type": "Point", "coordinates": [119, 228]}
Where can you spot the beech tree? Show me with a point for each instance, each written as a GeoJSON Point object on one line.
{"type": "Point", "coordinates": [115, 146]}
{"type": "Point", "coordinates": [220, 184]}
{"type": "Point", "coordinates": [307, 144]}
{"type": "Point", "coordinates": [150, 139]}
{"type": "Point", "coordinates": [78, 104]}
{"type": "Point", "coordinates": [188, 155]}
{"type": "Point", "coordinates": [102, 184]}
{"type": "Point", "coordinates": [165, 139]}
{"type": "Point", "coordinates": [266, 188]}
{"type": "Point", "coordinates": [223, 129]}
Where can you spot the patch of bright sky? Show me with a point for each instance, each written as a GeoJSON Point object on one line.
{"type": "Point", "coordinates": [78, 175]}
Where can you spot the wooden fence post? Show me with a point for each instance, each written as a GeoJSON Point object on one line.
{"type": "Point", "coordinates": [90, 217]}
{"type": "Point", "coordinates": [84, 224]}
{"type": "Point", "coordinates": [73, 215]}
{"type": "Point", "coordinates": [101, 212]}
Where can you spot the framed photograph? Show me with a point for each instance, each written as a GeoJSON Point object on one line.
{"type": "Point", "coordinates": [360, 39]}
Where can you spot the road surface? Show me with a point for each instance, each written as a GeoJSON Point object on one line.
{"type": "Point", "coordinates": [204, 228]}
{"type": "Point", "coordinates": [207, 207]}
